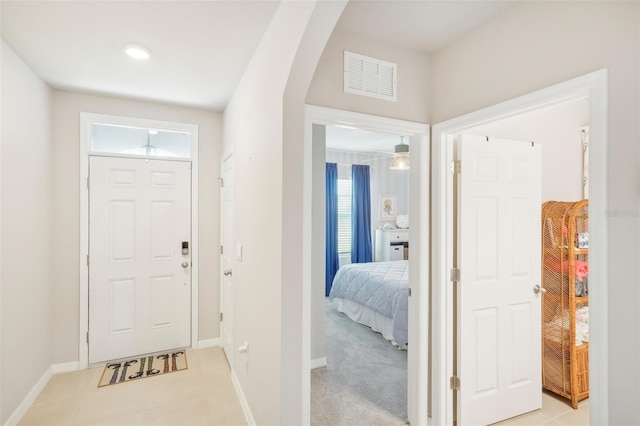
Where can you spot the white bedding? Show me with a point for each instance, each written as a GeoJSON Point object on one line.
{"type": "Point", "coordinates": [381, 288]}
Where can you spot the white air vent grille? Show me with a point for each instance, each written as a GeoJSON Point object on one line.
{"type": "Point", "coordinates": [370, 76]}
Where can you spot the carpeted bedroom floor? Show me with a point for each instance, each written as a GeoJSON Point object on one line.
{"type": "Point", "coordinates": [365, 380]}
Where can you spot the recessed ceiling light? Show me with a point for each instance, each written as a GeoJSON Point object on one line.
{"type": "Point", "coordinates": [138, 52]}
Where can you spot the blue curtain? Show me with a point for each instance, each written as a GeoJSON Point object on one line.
{"type": "Point", "coordinates": [332, 261]}
{"type": "Point", "coordinates": [360, 215]}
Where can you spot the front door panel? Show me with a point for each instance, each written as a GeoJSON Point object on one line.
{"type": "Point", "coordinates": [139, 278]}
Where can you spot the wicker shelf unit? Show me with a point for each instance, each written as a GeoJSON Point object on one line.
{"type": "Point", "coordinates": [565, 252]}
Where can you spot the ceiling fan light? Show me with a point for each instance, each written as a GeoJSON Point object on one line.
{"type": "Point", "coordinates": [401, 156]}
{"type": "Point", "coordinates": [400, 162]}
{"type": "Point", "coordinates": [402, 148]}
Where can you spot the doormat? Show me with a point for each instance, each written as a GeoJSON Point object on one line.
{"type": "Point", "coordinates": [139, 368]}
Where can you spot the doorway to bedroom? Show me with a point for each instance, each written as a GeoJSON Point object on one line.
{"type": "Point", "coordinates": [366, 279]}
{"type": "Point", "coordinates": [357, 373]}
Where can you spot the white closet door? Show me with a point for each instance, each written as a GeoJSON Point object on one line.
{"type": "Point", "coordinates": [499, 259]}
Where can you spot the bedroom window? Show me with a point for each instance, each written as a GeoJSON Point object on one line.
{"type": "Point", "coordinates": [344, 216]}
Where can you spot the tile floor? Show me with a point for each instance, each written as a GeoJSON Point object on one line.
{"type": "Point", "coordinates": [201, 395]}
{"type": "Point", "coordinates": [555, 411]}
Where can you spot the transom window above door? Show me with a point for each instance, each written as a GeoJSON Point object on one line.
{"type": "Point", "coordinates": [139, 141]}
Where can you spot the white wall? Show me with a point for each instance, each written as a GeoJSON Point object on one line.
{"type": "Point", "coordinates": [296, 205]}
{"type": "Point", "coordinates": [327, 86]}
{"type": "Point", "coordinates": [534, 45]}
{"type": "Point", "coordinates": [253, 132]}
{"type": "Point", "coordinates": [66, 183]}
{"type": "Point", "coordinates": [268, 152]}
{"type": "Point", "coordinates": [26, 240]}
{"type": "Point", "coordinates": [557, 128]}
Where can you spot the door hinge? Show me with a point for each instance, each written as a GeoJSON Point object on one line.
{"type": "Point", "coordinates": [455, 166]}
{"type": "Point", "coordinates": [454, 383]}
{"type": "Point", "coordinates": [221, 316]}
{"type": "Point", "coordinates": [221, 249]}
{"type": "Point", "coordinates": [87, 337]}
{"type": "Point", "coordinates": [409, 291]}
{"type": "Point", "coordinates": [88, 182]}
{"type": "Point", "coordinates": [221, 182]}
{"type": "Point", "coordinates": [455, 274]}
{"type": "Point", "coordinates": [87, 260]}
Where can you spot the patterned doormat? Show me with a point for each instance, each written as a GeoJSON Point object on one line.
{"type": "Point", "coordinates": [139, 368]}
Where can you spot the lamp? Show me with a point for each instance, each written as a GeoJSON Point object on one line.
{"type": "Point", "coordinates": [401, 156]}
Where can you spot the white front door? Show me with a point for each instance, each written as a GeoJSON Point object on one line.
{"type": "Point", "coordinates": [499, 260]}
{"type": "Point", "coordinates": [139, 274]}
{"type": "Point", "coordinates": [226, 260]}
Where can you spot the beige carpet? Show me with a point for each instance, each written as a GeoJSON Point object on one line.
{"type": "Point", "coordinates": [365, 380]}
{"type": "Point", "coordinates": [139, 368]}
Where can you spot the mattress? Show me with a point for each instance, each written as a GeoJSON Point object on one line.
{"type": "Point", "coordinates": [381, 287]}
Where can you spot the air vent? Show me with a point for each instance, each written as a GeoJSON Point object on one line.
{"type": "Point", "coordinates": [370, 76]}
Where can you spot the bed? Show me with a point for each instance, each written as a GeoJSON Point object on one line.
{"type": "Point", "coordinates": [376, 295]}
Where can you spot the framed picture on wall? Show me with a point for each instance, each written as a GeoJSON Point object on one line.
{"type": "Point", "coordinates": [388, 207]}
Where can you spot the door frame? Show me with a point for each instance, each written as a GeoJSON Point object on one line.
{"type": "Point", "coordinates": [592, 86]}
{"type": "Point", "coordinates": [86, 120]}
{"type": "Point", "coordinates": [418, 359]}
{"type": "Point", "coordinates": [230, 358]}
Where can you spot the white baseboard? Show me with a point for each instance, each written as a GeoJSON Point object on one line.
{"type": "Point", "coordinates": [65, 367]}
{"type": "Point", "coordinates": [319, 362]}
{"type": "Point", "coordinates": [209, 343]}
{"type": "Point", "coordinates": [243, 400]}
{"type": "Point", "coordinates": [20, 411]}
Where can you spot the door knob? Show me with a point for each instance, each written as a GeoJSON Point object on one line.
{"type": "Point", "coordinates": [227, 272]}
{"type": "Point", "coordinates": [539, 290]}
{"type": "Point", "coordinates": [185, 264]}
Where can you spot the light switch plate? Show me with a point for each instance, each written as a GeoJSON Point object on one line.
{"type": "Point", "coordinates": [239, 252]}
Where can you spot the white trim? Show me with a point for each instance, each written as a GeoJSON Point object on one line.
{"type": "Point", "coordinates": [318, 363]}
{"type": "Point", "coordinates": [209, 343]}
{"type": "Point", "coordinates": [195, 233]}
{"type": "Point", "coordinates": [66, 367]}
{"type": "Point", "coordinates": [592, 86]}
{"type": "Point", "coordinates": [418, 358]}
{"type": "Point", "coordinates": [246, 409]}
{"type": "Point", "coordinates": [222, 225]}
{"type": "Point", "coordinates": [29, 399]}
{"type": "Point", "coordinates": [85, 137]}
{"type": "Point", "coordinates": [144, 157]}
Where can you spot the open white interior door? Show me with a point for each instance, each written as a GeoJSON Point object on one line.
{"type": "Point", "coordinates": [226, 260]}
{"type": "Point", "coordinates": [498, 311]}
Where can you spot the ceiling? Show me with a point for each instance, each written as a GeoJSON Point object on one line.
{"type": "Point", "coordinates": [200, 48]}
{"type": "Point", "coordinates": [419, 25]}
{"type": "Point", "coordinates": [345, 138]}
